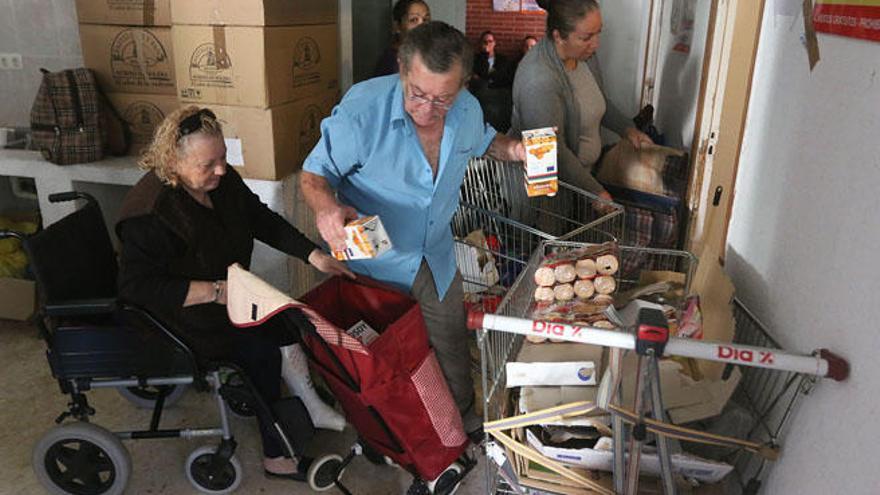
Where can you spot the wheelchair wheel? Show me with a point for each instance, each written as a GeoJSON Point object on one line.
{"type": "Point", "coordinates": [208, 478]}
{"type": "Point", "coordinates": [145, 397]}
{"type": "Point", "coordinates": [241, 408]}
{"type": "Point", "coordinates": [238, 397]}
{"type": "Point", "coordinates": [448, 481]}
{"type": "Point", "coordinates": [81, 459]}
{"type": "Point", "coordinates": [324, 472]}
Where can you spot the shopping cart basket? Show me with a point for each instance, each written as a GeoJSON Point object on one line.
{"type": "Point", "coordinates": [497, 348]}
{"type": "Point", "coordinates": [493, 199]}
{"type": "Point", "coordinates": [768, 400]}
{"type": "Point", "coordinates": [765, 395]}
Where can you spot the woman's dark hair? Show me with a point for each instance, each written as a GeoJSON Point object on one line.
{"type": "Point", "coordinates": [401, 7]}
{"type": "Point", "coordinates": [398, 14]}
{"type": "Point", "coordinates": [439, 45]}
{"type": "Point", "coordinates": [562, 15]}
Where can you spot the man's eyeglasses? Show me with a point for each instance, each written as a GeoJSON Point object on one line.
{"type": "Point", "coordinates": [439, 103]}
{"type": "Point", "coordinates": [193, 123]}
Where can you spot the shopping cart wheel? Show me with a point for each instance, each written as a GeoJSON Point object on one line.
{"type": "Point", "coordinates": [448, 481]}
{"type": "Point", "coordinates": [324, 472]}
{"type": "Point", "coordinates": [208, 476]}
{"type": "Point", "coordinates": [81, 458]}
{"type": "Point", "coordinates": [145, 397]}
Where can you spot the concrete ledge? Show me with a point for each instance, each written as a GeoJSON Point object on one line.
{"type": "Point", "coordinates": [268, 263]}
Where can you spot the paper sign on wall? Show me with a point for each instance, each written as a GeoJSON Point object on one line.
{"type": "Point", "coordinates": [852, 18]}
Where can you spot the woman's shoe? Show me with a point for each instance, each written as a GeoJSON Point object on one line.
{"type": "Point", "coordinates": [301, 474]}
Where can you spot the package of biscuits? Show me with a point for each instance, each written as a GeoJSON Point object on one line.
{"type": "Point", "coordinates": [541, 162]}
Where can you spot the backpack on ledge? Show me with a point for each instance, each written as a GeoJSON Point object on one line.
{"type": "Point", "coordinates": [73, 122]}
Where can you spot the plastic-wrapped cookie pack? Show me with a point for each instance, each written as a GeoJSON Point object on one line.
{"type": "Point", "coordinates": [576, 285]}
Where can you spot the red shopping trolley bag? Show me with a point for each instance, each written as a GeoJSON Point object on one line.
{"type": "Point", "coordinates": [392, 390]}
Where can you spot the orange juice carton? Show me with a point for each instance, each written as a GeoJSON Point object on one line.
{"type": "Point", "coordinates": [541, 165]}
{"type": "Point", "coordinates": [364, 238]}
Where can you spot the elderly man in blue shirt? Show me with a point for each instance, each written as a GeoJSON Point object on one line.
{"type": "Point", "coordinates": [397, 147]}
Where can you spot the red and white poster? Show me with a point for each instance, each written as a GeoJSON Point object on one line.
{"type": "Point", "coordinates": [853, 18]}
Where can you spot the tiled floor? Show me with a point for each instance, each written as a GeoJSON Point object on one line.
{"type": "Point", "coordinates": [30, 401]}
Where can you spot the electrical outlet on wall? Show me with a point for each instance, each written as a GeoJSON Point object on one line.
{"type": "Point", "coordinates": [10, 61]}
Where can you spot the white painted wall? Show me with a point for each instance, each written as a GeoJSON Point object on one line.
{"type": "Point", "coordinates": [621, 53]}
{"type": "Point", "coordinates": [453, 12]}
{"type": "Point", "coordinates": [802, 245]}
{"type": "Point", "coordinates": [46, 35]}
{"type": "Point", "coordinates": [677, 86]}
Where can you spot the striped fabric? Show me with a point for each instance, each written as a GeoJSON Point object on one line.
{"type": "Point", "coordinates": [435, 395]}
{"type": "Point", "coordinates": [333, 335]}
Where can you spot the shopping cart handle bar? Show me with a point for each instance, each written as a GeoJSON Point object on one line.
{"type": "Point", "coordinates": [838, 368]}
{"type": "Point", "coordinates": [475, 320]}
{"type": "Point", "coordinates": [822, 363]}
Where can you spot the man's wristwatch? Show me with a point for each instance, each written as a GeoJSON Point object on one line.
{"type": "Point", "coordinates": [218, 290]}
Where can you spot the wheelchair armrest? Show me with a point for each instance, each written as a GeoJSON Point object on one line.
{"type": "Point", "coordinates": [169, 335]}
{"type": "Point", "coordinates": [77, 307]}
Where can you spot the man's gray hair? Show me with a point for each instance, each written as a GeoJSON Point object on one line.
{"type": "Point", "coordinates": [439, 45]}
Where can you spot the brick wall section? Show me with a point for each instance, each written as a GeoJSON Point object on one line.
{"type": "Point", "coordinates": [509, 27]}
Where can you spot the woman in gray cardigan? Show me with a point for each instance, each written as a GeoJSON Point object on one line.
{"type": "Point", "coordinates": [558, 84]}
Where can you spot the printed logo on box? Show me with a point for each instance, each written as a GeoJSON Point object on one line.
{"type": "Point", "coordinates": [585, 374]}
{"type": "Point", "coordinates": [306, 55]}
{"type": "Point", "coordinates": [143, 117]}
{"type": "Point", "coordinates": [208, 68]}
{"type": "Point", "coordinates": [137, 57]}
{"type": "Point", "coordinates": [309, 129]}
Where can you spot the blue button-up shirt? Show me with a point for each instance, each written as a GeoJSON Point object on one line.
{"type": "Point", "coordinates": [370, 154]}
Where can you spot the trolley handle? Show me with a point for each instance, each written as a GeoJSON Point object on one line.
{"type": "Point", "coordinates": [823, 363]}
{"type": "Point", "coordinates": [838, 367]}
{"type": "Point", "coordinates": [70, 196]}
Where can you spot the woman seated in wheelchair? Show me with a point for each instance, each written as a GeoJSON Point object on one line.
{"type": "Point", "coordinates": [181, 226]}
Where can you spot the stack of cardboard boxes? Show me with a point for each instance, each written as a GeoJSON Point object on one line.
{"type": "Point", "coordinates": [127, 43]}
{"type": "Point", "coordinates": [267, 68]}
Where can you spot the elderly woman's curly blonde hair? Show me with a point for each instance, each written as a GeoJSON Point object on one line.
{"type": "Point", "coordinates": [168, 146]}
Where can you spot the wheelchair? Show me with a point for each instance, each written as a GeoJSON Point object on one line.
{"type": "Point", "coordinates": [94, 341]}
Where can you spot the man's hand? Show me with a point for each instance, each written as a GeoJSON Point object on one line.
{"type": "Point", "coordinates": [637, 137]}
{"type": "Point", "coordinates": [328, 264]}
{"type": "Point", "coordinates": [331, 224]}
{"type": "Point", "coordinates": [507, 149]}
{"type": "Point", "coordinates": [604, 207]}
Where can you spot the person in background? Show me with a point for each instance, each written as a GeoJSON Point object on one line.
{"type": "Point", "coordinates": [398, 147]}
{"type": "Point", "coordinates": [181, 226]}
{"type": "Point", "coordinates": [558, 84]}
{"type": "Point", "coordinates": [405, 15]}
{"type": "Point", "coordinates": [491, 69]}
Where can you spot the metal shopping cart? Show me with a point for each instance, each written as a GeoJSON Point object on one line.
{"type": "Point", "coordinates": [764, 402]}
{"type": "Point", "coordinates": [493, 200]}
{"type": "Point", "coordinates": [497, 348]}
{"type": "Point", "coordinates": [769, 395]}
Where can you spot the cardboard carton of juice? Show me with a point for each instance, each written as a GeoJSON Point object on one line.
{"type": "Point", "coordinates": [364, 238]}
{"type": "Point", "coordinates": [541, 162]}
